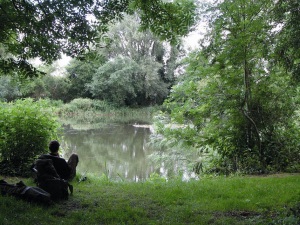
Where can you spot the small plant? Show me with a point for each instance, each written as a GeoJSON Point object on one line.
{"type": "Point", "coordinates": [156, 178]}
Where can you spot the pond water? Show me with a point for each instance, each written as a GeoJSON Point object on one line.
{"type": "Point", "coordinates": [117, 150]}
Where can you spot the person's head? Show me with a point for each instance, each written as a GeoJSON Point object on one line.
{"type": "Point", "coordinates": [54, 146]}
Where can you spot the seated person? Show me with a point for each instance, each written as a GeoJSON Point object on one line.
{"type": "Point", "coordinates": [65, 170]}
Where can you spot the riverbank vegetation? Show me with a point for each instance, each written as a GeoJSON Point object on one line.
{"type": "Point", "coordinates": [26, 126]}
{"type": "Point", "coordinates": [210, 200]}
{"type": "Point", "coordinates": [85, 110]}
{"type": "Point", "coordinates": [237, 103]}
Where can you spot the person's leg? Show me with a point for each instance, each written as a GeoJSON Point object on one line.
{"type": "Point", "coordinates": [72, 162]}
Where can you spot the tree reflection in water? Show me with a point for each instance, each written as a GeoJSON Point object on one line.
{"type": "Point", "coordinates": [120, 151]}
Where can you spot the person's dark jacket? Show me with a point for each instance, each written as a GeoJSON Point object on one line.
{"type": "Point", "coordinates": [60, 164]}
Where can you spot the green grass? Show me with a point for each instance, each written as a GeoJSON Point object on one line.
{"type": "Point", "coordinates": [219, 200]}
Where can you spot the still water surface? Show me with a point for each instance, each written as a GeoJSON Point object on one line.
{"type": "Point", "coordinates": [118, 150]}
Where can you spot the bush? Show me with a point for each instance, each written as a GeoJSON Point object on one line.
{"type": "Point", "coordinates": [67, 109]}
{"type": "Point", "coordinates": [102, 105]}
{"type": "Point", "coordinates": [26, 127]}
{"type": "Point", "coordinates": [55, 103]}
{"type": "Point", "coordinates": [82, 103]}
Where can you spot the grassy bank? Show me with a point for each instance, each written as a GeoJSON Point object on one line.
{"type": "Point", "coordinates": [219, 200]}
{"type": "Point", "coordinates": [87, 111]}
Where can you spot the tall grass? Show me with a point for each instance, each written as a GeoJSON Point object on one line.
{"type": "Point", "coordinates": [96, 111]}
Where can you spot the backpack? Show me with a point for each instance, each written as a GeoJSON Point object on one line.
{"type": "Point", "coordinates": [48, 179]}
{"type": "Point", "coordinates": [57, 188]}
{"type": "Point", "coordinates": [31, 194]}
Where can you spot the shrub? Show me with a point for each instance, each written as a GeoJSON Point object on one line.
{"type": "Point", "coordinates": [67, 109]}
{"type": "Point", "coordinates": [82, 103]}
{"type": "Point", "coordinates": [55, 103]}
{"type": "Point", "coordinates": [26, 127]}
{"type": "Point", "coordinates": [102, 105]}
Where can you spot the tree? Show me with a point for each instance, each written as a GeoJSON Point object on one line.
{"type": "Point", "coordinates": [35, 88]}
{"type": "Point", "coordinates": [47, 85]}
{"type": "Point", "coordinates": [287, 15]}
{"type": "Point", "coordinates": [128, 40]}
{"type": "Point", "coordinates": [57, 87]}
{"type": "Point", "coordinates": [166, 19]}
{"type": "Point", "coordinates": [125, 82]}
{"type": "Point", "coordinates": [243, 25]}
{"type": "Point", "coordinates": [236, 102]}
{"type": "Point", "coordinates": [81, 73]}
{"type": "Point", "coordinates": [9, 88]}
{"type": "Point", "coordinates": [149, 72]}
{"type": "Point", "coordinates": [46, 29]}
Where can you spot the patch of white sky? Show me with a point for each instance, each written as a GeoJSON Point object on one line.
{"type": "Point", "coordinates": [59, 64]}
{"type": "Point", "coordinates": [191, 41]}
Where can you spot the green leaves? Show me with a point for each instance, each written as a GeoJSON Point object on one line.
{"type": "Point", "coordinates": [236, 99]}
{"type": "Point", "coordinates": [125, 82]}
{"type": "Point", "coordinates": [26, 127]}
{"type": "Point", "coordinates": [139, 68]}
{"type": "Point", "coordinates": [9, 88]}
{"type": "Point", "coordinates": [165, 19]}
{"type": "Point", "coordinates": [287, 15]}
{"type": "Point", "coordinates": [45, 29]}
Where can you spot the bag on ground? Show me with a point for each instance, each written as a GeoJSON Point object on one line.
{"type": "Point", "coordinates": [32, 194]}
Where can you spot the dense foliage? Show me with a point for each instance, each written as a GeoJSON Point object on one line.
{"type": "Point", "coordinates": [238, 105]}
{"type": "Point", "coordinates": [139, 68]}
{"type": "Point", "coordinates": [26, 127]}
{"type": "Point", "coordinates": [79, 74]}
{"type": "Point", "coordinates": [45, 29]}
{"type": "Point", "coordinates": [124, 82]}
{"type": "Point", "coordinates": [287, 14]}
{"type": "Point", "coordinates": [9, 88]}
{"type": "Point", "coordinates": [46, 86]}
{"type": "Point", "coordinates": [135, 69]}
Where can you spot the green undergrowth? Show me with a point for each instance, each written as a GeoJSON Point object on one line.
{"type": "Point", "coordinates": [98, 112]}
{"type": "Point", "coordinates": [219, 200]}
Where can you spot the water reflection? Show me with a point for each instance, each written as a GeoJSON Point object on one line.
{"type": "Point", "coordinates": [120, 151]}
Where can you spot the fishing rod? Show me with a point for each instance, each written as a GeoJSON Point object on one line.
{"type": "Point", "coordinates": [83, 177]}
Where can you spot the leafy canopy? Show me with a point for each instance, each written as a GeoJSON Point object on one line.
{"type": "Point", "coordinates": [234, 103]}
{"type": "Point", "coordinates": [287, 14]}
{"type": "Point", "coordinates": [139, 68]}
{"type": "Point", "coordinates": [46, 29]}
